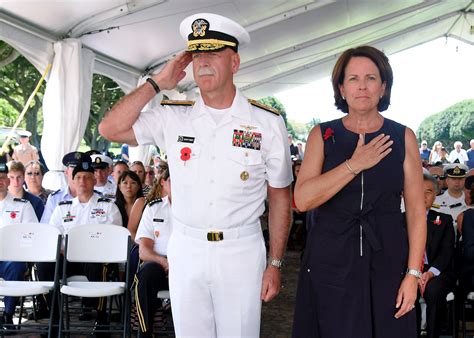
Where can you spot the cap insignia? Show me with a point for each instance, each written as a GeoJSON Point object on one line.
{"type": "Point", "coordinates": [456, 171]}
{"type": "Point", "coordinates": [199, 27]}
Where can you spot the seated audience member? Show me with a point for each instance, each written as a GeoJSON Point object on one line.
{"type": "Point", "coordinates": [152, 276]}
{"type": "Point", "coordinates": [102, 168]}
{"type": "Point", "coordinates": [443, 157]}
{"type": "Point", "coordinates": [129, 188]}
{"type": "Point", "coordinates": [13, 210]}
{"type": "Point", "coordinates": [34, 173]}
{"type": "Point", "coordinates": [435, 154]}
{"type": "Point", "coordinates": [470, 155]}
{"type": "Point", "coordinates": [149, 175]}
{"type": "Point", "coordinates": [468, 185]}
{"type": "Point", "coordinates": [438, 173]}
{"type": "Point", "coordinates": [119, 167]}
{"type": "Point", "coordinates": [16, 175]}
{"type": "Point", "coordinates": [458, 155]}
{"type": "Point", "coordinates": [140, 203]}
{"type": "Point", "coordinates": [425, 152]}
{"type": "Point", "coordinates": [452, 202]}
{"type": "Point", "coordinates": [25, 152]}
{"type": "Point", "coordinates": [466, 229]}
{"type": "Point", "coordinates": [86, 208]}
{"type": "Point", "coordinates": [438, 278]}
{"type": "Point", "coordinates": [159, 167]}
{"type": "Point", "coordinates": [139, 168]}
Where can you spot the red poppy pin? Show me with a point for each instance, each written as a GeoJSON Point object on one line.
{"type": "Point", "coordinates": [185, 154]}
{"type": "Point", "coordinates": [13, 215]}
{"type": "Point", "coordinates": [437, 221]}
{"type": "Point", "coordinates": [329, 133]}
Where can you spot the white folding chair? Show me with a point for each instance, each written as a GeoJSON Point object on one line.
{"type": "Point", "coordinates": [31, 242]}
{"type": "Point", "coordinates": [98, 243]}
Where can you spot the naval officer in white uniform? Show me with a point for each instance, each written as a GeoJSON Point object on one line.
{"type": "Point", "coordinates": [226, 155]}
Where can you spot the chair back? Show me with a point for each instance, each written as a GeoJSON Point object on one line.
{"type": "Point", "coordinates": [97, 243]}
{"type": "Point", "coordinates": [29, 242]}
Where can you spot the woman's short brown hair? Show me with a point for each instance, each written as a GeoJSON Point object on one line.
{"type": "Point", "coordinates": [377, 57]}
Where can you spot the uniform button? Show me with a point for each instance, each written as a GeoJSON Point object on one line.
{"type": "Point", "coordinates": [210, 203]}
{"type": "Point", "coordinates": [309, 270]}
{"type": "Point", "coordinates": [213, 157]}
{"type": "Point", "coordinates": [211, 181]}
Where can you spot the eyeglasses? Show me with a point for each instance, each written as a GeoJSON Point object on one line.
{"type": "Point", "coordinates": [438, 177]}
{"type": "Point", "coordinates": [36, 173]}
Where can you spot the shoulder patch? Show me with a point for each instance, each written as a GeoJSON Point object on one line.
{"type": "Point", "coordinates": [65, 202]}
{"type": "Point", "coordinates": [264, 107]}
{"type": "Point", "coordinates": [176, 103]}
{"type": "Point", "coordinates": [104, 199]}
{"type": "Point", "coordinates": [55, 192]}
{"type": "Point", "coordinates": [20, 200]}
{"type": "Point", "coordinates": [157, 200]}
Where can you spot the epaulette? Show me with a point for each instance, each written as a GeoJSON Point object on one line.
{"type": "Point", "coordinates": [176, 103]}
{"type": "Point", "coordinates": [436, 206]}
{"type": "Point", "coordinates": [264, 107]}
{"type": "Point", "coordinates": [65, 202]}
{"type": "Point", "coordinates": [54, 193]}
{"type": "Point", "coordinates": [157, 200]}
{"type": "Point", "coordinates": [20, 200]}
{"type": "Point", "coordinates": [104, 199]}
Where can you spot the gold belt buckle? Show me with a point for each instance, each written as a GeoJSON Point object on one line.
{"type": "Point", "coordinates": [215, 236]}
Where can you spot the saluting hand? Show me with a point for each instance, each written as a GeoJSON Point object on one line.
{"type": "Point", "coordinates": [173, 72]}
{"type": "Point", "coordinates": [368, 155]}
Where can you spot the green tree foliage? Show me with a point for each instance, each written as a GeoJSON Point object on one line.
{"type": "Point", "coordinates": [455, 123]}
{"type": "Point", "coordinates": [18, 79]}
{"type": "Point", "coordinates": [105, 93]}
{"type": "Point", "coordinates": [275, 103]}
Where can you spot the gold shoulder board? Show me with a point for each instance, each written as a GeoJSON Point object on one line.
{"type": "Point", "coordinates": [264, 107]}
{"type": "Point", "coordinates": [176, 103]}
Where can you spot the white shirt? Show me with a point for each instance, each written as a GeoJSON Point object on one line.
{"type": "Point", "coordinates": [97, 210]}
{"type": "Point", "coordinates": [222, 182]}
{"type": "Point", "coordinates": [16, 210]}
{"type": "Point", "coordinates": [461, 156]}
{"type": "Point", "coordinates": [107, 190]}
{"type": "Point", "coordinates": [53, 201]}
{"type": "Point", "coordinates": [155, 224]}
{"type": "Point", "coordinates": [450, 205]}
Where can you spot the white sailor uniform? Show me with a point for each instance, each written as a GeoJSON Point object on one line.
{"type": "Point", "coordinates": [220, 177]}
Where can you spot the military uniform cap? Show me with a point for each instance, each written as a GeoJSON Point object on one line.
{"type": "Point", "coordinates": [72, 159]}
{"type": "Point", "coordinates": [84, 165]}
{"type": "Point", "coordinates": [23, 133]}
{"type": "Point", "coordinates": [456, 171]}
{"type": "Point", "coordinates": [3, 168]}
{"type": "Point", "coordinates": [207, 32]}
{"type": "Point", "coordinates": [101, 161]}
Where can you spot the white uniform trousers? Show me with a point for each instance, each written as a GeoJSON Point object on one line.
{"type": "Point", "coordinates": [215, 286]}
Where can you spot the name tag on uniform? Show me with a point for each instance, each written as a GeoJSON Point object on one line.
{"type": "Point", "coordinates": [186, 139]}
{"type": "Point", "coordinates": [159, 220]}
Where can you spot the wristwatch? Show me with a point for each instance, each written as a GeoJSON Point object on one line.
{"type": "Point", "coordinates": [277, 263]}
{"type": "Point", "coordinates": [414, 272]}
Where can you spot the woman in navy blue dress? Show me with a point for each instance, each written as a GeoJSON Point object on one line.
{"type": "Point", "coordinates": [359, 273]}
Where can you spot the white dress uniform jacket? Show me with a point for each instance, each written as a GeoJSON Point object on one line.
{"type": "Point", "coordinates": [16, 210]}
{"type": "Point", "coordinates": [98, 210]}
{"type": "Point", "coordinates": [231, 161]}
{"type": "Point", "coordinates": [107, 190]}
{"type": "Point", "coordinates": [53, 201]}
{"type": "Point", "coordinates": [155, 224]}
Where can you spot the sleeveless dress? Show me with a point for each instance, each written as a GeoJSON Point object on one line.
{"type": "Point", "coordinates": [357, 249]}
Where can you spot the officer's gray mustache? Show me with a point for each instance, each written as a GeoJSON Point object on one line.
{"type": "Point", "coordinates": [205, 71]}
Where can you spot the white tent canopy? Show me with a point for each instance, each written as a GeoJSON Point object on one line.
{"type": "Point", "coordinates": [292, 42]}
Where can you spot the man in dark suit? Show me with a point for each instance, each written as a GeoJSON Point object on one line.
{"type": "Point", "coordinates": [438, 277]}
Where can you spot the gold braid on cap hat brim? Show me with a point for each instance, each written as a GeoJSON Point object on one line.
{"type": "Point", "coordinates": [209, 44]}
